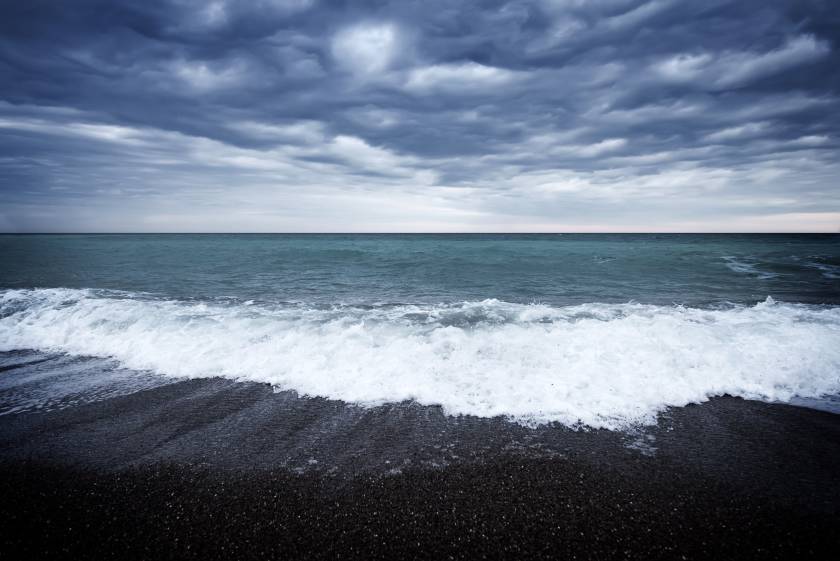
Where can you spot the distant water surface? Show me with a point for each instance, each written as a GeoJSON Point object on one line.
{"type": "Point", "coordinates": [695, 270]}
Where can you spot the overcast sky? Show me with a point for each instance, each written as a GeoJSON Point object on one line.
{"type": "Point", "coordinates": [308, 115]}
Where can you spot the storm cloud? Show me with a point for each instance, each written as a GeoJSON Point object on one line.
{"type": "Point", "coordinates": [306, 115]}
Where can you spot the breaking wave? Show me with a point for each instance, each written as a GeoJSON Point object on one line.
{"type": "Point", "coordinates": [601, 365]}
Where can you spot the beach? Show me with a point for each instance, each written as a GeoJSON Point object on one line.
{"type": "Point", "coordinates": [215, 469]}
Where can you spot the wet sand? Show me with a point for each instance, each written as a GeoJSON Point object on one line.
{"type": "Point", "coordinates": [214, 469]}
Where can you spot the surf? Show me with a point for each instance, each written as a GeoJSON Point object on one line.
{"type": "Point", "coordinates": [598, 365]}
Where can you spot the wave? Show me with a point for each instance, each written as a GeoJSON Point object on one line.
{"type": "Point", "coordinates": [827, 270]}
{"type": "Point", "coordinates": [600, 365]}
{"type": "Point", "coordinates": [747, 268]}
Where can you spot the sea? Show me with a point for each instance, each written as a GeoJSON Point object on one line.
{"type": "Point", "coordinates": [603, 331]}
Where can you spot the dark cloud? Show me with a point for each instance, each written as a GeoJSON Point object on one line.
{"type": "Point", "coordinates": [483, 115]}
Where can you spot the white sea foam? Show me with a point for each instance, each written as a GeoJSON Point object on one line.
{"type": "Point", "coordinates": [747, 268]}
{"type": "Point", "coordinates": [602, 365]}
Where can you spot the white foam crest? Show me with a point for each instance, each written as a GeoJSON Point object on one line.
{"type": "Point", "coordinates": [747, 268]}
{"type": "Point", "coordinates": [601, 365]}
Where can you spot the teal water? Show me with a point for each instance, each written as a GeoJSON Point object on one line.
{"type": "Point", "coordinates": [600, 330]}
{"type": "Point", "coordinates": [696, 270]}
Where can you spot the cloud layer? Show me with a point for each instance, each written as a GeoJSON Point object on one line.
{"type": "Point", "coordinates": [296, 115]}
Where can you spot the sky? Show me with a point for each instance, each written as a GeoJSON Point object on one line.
{"type": "Point", "coordinates": [419, 116]}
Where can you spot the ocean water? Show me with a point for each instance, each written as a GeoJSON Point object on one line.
{"type": "Point", "coordinates": [604, 331]}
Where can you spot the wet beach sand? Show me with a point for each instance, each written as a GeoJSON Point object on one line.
{"type": "Point", "coordinates": [215, 469]}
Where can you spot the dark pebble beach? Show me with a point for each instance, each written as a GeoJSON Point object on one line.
{"type": "Point", "coordinates": [213, 469]}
